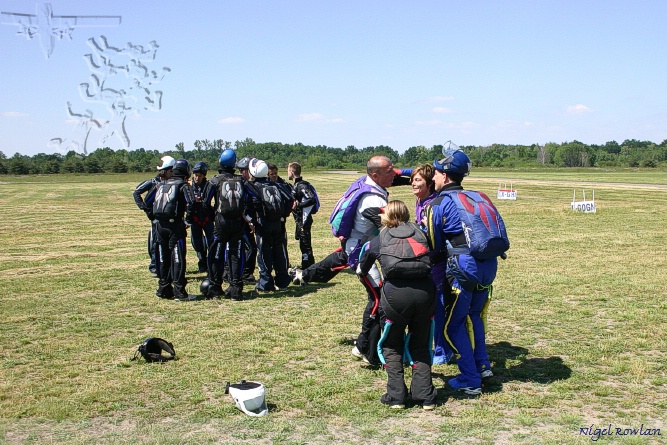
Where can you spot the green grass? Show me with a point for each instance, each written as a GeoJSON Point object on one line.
{"type": "Point", "coordinates": [576, 329]}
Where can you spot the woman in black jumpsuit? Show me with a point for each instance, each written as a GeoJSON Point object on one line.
{"type": "Point", "coordinates": [408, 300]}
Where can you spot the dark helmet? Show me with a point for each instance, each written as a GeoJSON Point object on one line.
{"type": "Point", "coordinates": [204, 286]}
{"type": "Point", "coordinates": [243, 163]}
{"type": "Point", "coordinates": [200, 167]}
{"type": "Point", "coordinates": [227, 158]}
{"type": "Point", "coordinates": [182, 168]}
{"type": "Point", "coordinates": [454, 160]}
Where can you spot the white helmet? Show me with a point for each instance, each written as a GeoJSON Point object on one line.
{"type": "Point", "coordinates": [249, 397]}
{"type": "Point", "coordinates": [167, 162]}
{"type": "Point", "coordinates": [258, 168]}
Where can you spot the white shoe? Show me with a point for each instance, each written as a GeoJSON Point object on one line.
{"type": "Point", "coordinates": [298, 278]}
{"type": "Point", "coordinates": [355, 352]}
{"type": "Point", "coordinates": [487, 373]}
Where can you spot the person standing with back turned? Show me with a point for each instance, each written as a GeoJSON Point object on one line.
{"type": "Point", "coordinates": [173, 203]}
{"type": "Point", "coordinates": [469, 278]}
{"type": "Point", "coordinates": [408, 300]}
{"type": "Point", "coordinates": [148, 189]}
{"type": "Point", "coordinates": [229, 193]}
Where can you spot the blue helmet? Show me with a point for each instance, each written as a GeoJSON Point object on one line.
{"type": "Point", "coordinates": [228, 158]}
{"type": "Point", "coordinates": [454, 160]}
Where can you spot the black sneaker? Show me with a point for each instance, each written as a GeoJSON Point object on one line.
{"type": "Point", "coordinates": [215, 292]}
{"type": "Point", "coordinates": [234, 293]}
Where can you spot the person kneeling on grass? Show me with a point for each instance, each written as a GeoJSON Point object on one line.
{"type": "Point", "coordinates": [408, 301]}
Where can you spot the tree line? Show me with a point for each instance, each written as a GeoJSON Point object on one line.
{"type": "Point", "coordinates": [629, 153]}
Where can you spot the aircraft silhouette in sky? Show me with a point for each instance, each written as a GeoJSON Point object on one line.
{"type": "Point", "coordinates": [48, 27]}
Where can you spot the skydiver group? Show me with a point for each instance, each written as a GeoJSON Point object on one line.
{"type": "Point", "coordinates": [236, 222]}
{"type": "Point", "coordinates": [429, 283]}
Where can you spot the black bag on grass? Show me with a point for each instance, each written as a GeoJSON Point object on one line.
{"type": "Point", "coordinates": [151, 350]}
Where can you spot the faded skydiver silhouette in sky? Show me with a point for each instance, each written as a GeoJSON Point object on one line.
{"type": "Point", "coordinates": [78, 141]}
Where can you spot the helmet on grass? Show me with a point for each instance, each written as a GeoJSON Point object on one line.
{"type": "Point", "coordinates": [249, 397]}
{"type": "Point", "coordinates": [204, 286]}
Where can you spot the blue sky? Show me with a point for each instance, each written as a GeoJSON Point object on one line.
{"type": "Point", "coordinates": [341, 73]}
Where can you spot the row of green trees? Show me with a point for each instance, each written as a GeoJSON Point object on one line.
{"type": "Point", "coordinates": [630, 153]}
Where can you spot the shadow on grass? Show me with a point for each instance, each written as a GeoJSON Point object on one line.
{"type": "Point", "coordinates": [503, 355]}
{"type": "Point", "coordinates": [289, 292]}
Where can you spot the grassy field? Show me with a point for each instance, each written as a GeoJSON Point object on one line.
{"type": "Point", "coordinates": [577, 332]}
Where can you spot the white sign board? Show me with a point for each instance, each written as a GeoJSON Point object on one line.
{"type": "Point", "coordinates": [583, 206]}
{"type": "Point", "coordinates": [506, 193]}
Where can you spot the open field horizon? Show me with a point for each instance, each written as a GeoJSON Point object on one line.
{"type": "Point", "coordinates": [577, 332]}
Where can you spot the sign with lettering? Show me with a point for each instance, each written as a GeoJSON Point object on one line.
{"type": "Point", "coordinates": [584, 205]}
{"type": "Point", "coordinates": [506, 193]}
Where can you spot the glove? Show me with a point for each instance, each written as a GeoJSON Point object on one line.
{"type": "Point", "coordinates": [149, 213]}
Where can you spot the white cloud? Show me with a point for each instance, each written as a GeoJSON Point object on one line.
{"type": "Point", "coordinates": [231, 120]}
{"type": "Point", "coordinates": [578, 109]}
{"type": "Point", "coordinates": [14, 114]}
{"type": "Point", "coordinates": [442, 110]}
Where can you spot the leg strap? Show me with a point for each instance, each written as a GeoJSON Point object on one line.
{"type": "Point", "coordinates": [407, 358]}
{"type": "Point", "coordinates": [431, 336]}
{"type": "Point", "coordinates": [385, 333]}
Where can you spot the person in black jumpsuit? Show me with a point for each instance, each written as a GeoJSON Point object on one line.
{"type": "Point", "coordinates": [269, 230]}
{"type": "Point", "coordinates": [226, 252]}
{"type": "Point", "coordinates": [304, 205]}
{"type": "Point", "coordinates": [408, 301]}
{"type": "Point", "coordinates": [173, 200]}
{"type": "Point", "coordinates": [201, 223]}
{"type": "Point", "coordinates": [145, 203]}
{"type": "Point", "coordinates": [248, 240]}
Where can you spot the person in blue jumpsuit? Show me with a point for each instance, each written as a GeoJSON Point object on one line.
{"type": "Point", "coordinates": [470, 279]}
